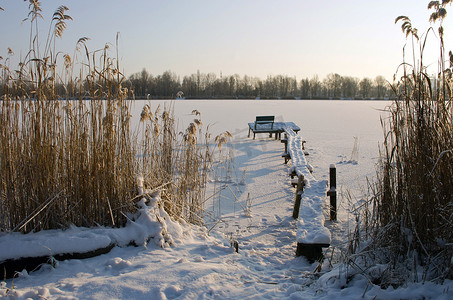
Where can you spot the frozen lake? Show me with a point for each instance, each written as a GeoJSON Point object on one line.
{"type": "Point", "coordinates": [331, 128]}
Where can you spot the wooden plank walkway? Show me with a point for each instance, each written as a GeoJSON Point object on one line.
{"type": "Point", "coordinates": [312, 235]}
{"type": "Point", "coordinates": [311, 193]}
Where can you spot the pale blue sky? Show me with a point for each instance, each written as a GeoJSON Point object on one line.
{"type": "Point", "coordinates": [254, 37]}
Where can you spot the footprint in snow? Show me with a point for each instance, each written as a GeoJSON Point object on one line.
{"type": "Point", "coordinates": [173, 291]}
{"type": "Point", "coordinates": [199, 259]}
{"type": "Point", "coordinates": [67, 287]}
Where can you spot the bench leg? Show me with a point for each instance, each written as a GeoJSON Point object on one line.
{"type": "Point", "coordinates": [249, 132]}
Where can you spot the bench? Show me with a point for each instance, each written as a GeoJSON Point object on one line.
{"type": "Point", "coordinates": [262, 124]}
{"type": "Point", "coordinates": [267, 124]}
{"type": "Point", "coordinates": [312, 235]}
{"type": "Point", "coordinates": [262, 120]}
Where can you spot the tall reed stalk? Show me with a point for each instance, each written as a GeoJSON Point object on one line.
{"type": "Point", "coordinates": [410, 216]}
{"type": "Point", "coordinates": [76, 160]}
{"type": "Point", "coordinates": [184, 160]}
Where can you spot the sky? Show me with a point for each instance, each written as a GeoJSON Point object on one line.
{"type": "Point", "coordinates": [247, 37]}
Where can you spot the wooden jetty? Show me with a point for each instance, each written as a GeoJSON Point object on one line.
{"type": "Point", "coordinates": [311, 193]}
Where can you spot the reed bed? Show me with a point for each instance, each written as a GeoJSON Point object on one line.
{"type": "Point", "coordinates": [76, 161]}
{"type": "Point", "coordinates": [407, 224]}
{"type": "Point", "coordinates": [181, 162]}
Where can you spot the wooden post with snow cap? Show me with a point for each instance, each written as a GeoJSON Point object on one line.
{"type": "Point", "coordinates": [332, 193]}
{"type": "Point", "coordinates": [299, 191]}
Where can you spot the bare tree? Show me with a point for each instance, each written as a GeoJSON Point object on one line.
{"type": "Point", "coordinates": [349, 87]}
{"type": "Point", "coordinates": [365, 86]}
{"type": "Point", "coordinates": [380, 84]}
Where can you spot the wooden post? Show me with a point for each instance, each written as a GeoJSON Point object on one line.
{"type": "Point", "coordinates": [333, 192]}
{"type": "Point", "coordinates": [299, 191]}
{"type": "Point", "coordinates": [286, 154]}
{"type": "Point", "coordinates": [313, 252]}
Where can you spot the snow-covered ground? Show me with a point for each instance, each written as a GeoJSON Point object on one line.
{"type": "Point", "coordinates": [254, 208]}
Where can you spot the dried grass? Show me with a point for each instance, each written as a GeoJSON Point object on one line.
{"type": "Point", "coordinates": [408, 221]}
{"type": "Point", "coordinates": [76, 160]}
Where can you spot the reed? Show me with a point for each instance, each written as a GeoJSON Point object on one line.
{"type": "Point", "coordinates": [182, 162]}
{"type": "Point", "coordinates": [77, 161]}
{"type": "Point", "coordinates": [407, 222]}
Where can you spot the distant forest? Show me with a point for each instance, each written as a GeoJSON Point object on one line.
{"type": "Point", "coordinates": [210, 86]}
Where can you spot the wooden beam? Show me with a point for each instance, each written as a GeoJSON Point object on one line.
{"type": "Point", "coordinates": [313, 252]}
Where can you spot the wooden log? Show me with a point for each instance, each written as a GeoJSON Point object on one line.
{"type": "Point", "coordinates": [299, 191]}
{"type": "Point", "coordinates": [10, 267]}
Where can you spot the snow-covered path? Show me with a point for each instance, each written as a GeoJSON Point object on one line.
{"type": "Point", "coordinates": [267, 239]}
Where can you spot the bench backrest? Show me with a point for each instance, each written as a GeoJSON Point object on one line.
{"type": "Point", "coordinates": [265, 120]}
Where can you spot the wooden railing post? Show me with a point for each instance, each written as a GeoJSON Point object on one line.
{"type": "Point", "coordinates": [333, 192]}
{"type": "Point", "coordinates": [286, 143]}
{"type": "Point", "coordinates": [299, 191]}
{"type": "Point", "coordinates": [285, 154]}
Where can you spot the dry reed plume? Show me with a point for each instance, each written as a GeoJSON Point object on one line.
{"type": "Point", "coordinates": [410, 218]}
{"type": "Point", "coordinates": [77, 161]}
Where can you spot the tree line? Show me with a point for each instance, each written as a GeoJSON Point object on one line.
{"type": "Point", "coordinates": [209, 85]}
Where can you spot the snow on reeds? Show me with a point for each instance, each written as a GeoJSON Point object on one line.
{"type": "Point", "coordinates": [407, 224]}
{"type": "Point", "coordinates": [76, 160]}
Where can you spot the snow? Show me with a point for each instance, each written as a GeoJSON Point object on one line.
{"type": "Point", "coordinates": [181, 261]}
{"type": "Point", "coordinates": [141, 227]}
{"type": "Point", "coordinates": [310, 227]}
{"type": "Point", "coordinates": [52, 242]}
